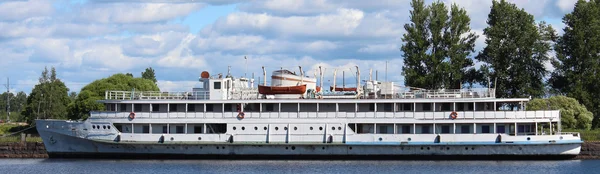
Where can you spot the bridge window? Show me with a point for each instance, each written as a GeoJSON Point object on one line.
{"type": "Point", "coordinates": [217, 85]}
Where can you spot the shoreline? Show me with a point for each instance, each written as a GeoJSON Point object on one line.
{"type": "Point", "coordinates": [589, 150]}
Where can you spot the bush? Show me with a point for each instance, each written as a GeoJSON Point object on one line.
{"type": "Point", "coordinates": [572, 114]}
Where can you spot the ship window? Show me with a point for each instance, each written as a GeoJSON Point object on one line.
{"type": "Point", "coordinates": [198, 129]}
{"type": "Point", "coordinates": [123, 107]}
{"type": "Point", "coordinates": [145, 129]}
{"type": "Point", "coordinates": [172, 108]}
{"type": "Point", "coordinates": [93, 126]}
{"type": "Point", "coordinates": [371, 106]}
{"type": "Point", "coordinates": [405, 129]}
{"type": "Point", "coordinates": [485, 129]}
{"type": "Point", "coordinates": [209, 107]}
{"type": "Point", "coordinates": [276, 128]}
{"type": "Point", "coordinates": [460, 107]}
{"type": "Point", "coordinates": [216, 128]}
{"type": "Point", "coordinates": [217, 85]}
{"type": "Point", "coordinates": [179, 129]}
{"type": "Point", "coordinates": [137, 107]}
{"type": "Point", "coordinates": [155, 108]}
{"type": "Point", "coordinates": [269, 107]}
{"type": "Point", "coordinates": [426, 106]}
{"type": "Point", "coordinates": [425, 129]}
{"type": "Point", "coordinates": [387, 107]}
{"type": "Point", "coordinates": [470, 106]}
{"type": "Point", "coordinates": [228, 107]}
{"type": "Point", "coordinates": [500, 129]}
{"type": "Point", "coordinates": [465, 129]}
{"type": "Point", "coordinates": [445, 129]}
{"type": "Point", "coordinates": [407, 106]}
{"type": "Point", "coordinates": [119, 128]}
{"type": "Point", "coordinates": [164, 129]}
{"type": "Point", "coordinates": [446, 107]}
{"type": "Point", "coordinates": [191, 108]}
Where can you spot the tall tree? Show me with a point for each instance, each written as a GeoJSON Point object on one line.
{"type": "Point", "coordinates": [577, 72]}
{"type": "Point", "coordinates": [437, 45]}
{"type": "Point", "coordinates": [87, 98]}
{"type": "Point", "coordinates": [149, 74]}
{"type": "Point", "coordinates": [516, 51]}
{"type": "Point", "coordinates": [48, 99]}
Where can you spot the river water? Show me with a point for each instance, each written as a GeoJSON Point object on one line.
{"type": "Point", "coordinates": [39, 166]}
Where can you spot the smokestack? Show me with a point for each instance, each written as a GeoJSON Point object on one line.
{"type": "Point", "coordinates": [334, 74]}
{"type": "Point", "coordinates": [264, 76]}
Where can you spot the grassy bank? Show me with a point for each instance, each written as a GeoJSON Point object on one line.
{"type": "Point", "coordinates": [586, 135]}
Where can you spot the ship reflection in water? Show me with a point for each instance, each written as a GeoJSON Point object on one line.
{"type": "Point", "coordinates": [266, 166]}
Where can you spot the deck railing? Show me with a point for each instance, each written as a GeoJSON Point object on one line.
{"type": "Point", "coordinates": [158, 95]}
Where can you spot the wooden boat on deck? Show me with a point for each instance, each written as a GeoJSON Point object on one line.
{"type": "Point", "coordinates": [272, 90]}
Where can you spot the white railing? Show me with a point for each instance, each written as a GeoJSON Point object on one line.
{"type": "Point", "coordinates": [241, 94]}
{"type": "Point", "coordinates": [448, 93]}
{"type": "Point", "coordinates": [462, 115]}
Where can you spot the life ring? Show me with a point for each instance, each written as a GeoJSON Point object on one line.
{"type": "Point", "coordinates": [453, 115]}
{"type": "Point", "coordinates": [131, 115]}
{"type": "Point", "coordinates": [240, 115]}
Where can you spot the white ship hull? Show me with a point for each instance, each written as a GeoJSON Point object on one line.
{"type": "Point", "coordinates": [61, 141]}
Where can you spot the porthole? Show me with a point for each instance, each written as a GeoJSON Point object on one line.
{"type": "Point", "coordinates": [243, 128]}
{"type": "Point", "coordinates": [427, 148]}
{"type": "Point", "coordinates": [284, 128]}
{"type": "Point", "coordinates": [276, 128]}
{"type": "Point", "coordinates": [409, 139]}
{"type": "Point", "coordinates": [104, 127]}
{"type": "Point", "coordinates": [421, 148]}
{"type": "Point", "coordinates": [466, 148]}
{"type": "Point", "coordinates": [350, 147]}
{"type": "Point", "coordinates": [311, 128]}
{"type": "Point", "coordinates": [447, 148]}
{"type": "Point", "coordinates": [172, 138]}
{"type": "Point", "coordinates": [323, 148]}
{"type": "Point", "coordinates": [217, 147]}
{"type": "Point", "coordinates": [561, 137]}
{"type": "Point", "coordinates": [234, 128]}
{"type": "Point", "coordinates": [380, 139]}
{"type": "Point", "coordinates": [472, 148]}
{"type": "Point", "coordinates": [332, 128]}
{"type": "Point", "coordinates": [295, 128]}
{"type": "Point", "coordinates": [320, 128]}
{"type": "Point", "coordinates": [528, 138]}
{"type": "Point", "coordinates": [93, 126]}
{"type": "Point", "coordinates": [265, 128]}
{"type": "Point", "coordinates": [108, 127]}
{"type": "Point", "coordinates": [286, 148]}
{"type": "Point", "coordinates": [339, 128]}
{"type": "Point", "coordinates": [199, 138]}
{"type": "Point", "coordinates": [293, 147]}
{"type": "Point", "coordinates": [255, 128]}
{"type": "Point", "coordinates": [223, 147]}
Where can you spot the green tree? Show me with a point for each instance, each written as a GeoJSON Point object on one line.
{"type": "Point", "coordinates": [129, 74]}
{"type": "Point", "coordinates": [516, 50]}
{"type": "Point", "coordinates": [572, 114]}
{"type": "Point", "coordinates": [149, 74]}
{"type": "Point", "coordinates": [577, 72]}
{"type": "Point", "coordinates": [73, 96]}
{"type": "Point", "coordinates": [48, 99]}
{"type": "Point", "coordinates": [87, 99]}
{"type": "Point", "coordinates": [437, 45]}
{"type": "Point", "coordinates": [17, 102]}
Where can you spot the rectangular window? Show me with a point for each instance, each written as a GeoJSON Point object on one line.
{"type": "Point", "coordinates": [446, 107]}
{"type": "Point", "coordinates": [164, 129]}
{"type": "Point", "coordinates": [470, 106]}
{"type": "Point", "coordinates": [155, 108]}
{"type": "Point", "coordinates": [269, 107]}
{"type": "Point", "coordinates": [405, 129]}
{"type": "Point", "coordinates": [387, 107]}
{"type": "Point", "coordinates": [179, 129]}
{"type": "Point", "coordinates": [372, 107]}
{"type": "Point", "coordinates": [228, 107]}
{"type": "Point", "coordinates": [145, 129]}
{"type": "Point", "coordinates": [426, 106]}
{"type": "Point", "coordinates": [407, 106]}
{"type": "Point", "coordinates": [500, 129]}
{"type": "Point", "coordinates": [465, 129]}
{"type": "Point", "coordinates": [123, 107]}
{"type": "Point", "coordinates": [172, 108]}
{"type": "Point", "coordinates": [445, 129]}
{"type": "Point", "coordinates": [425, 129]}
{"type": "Point", "coordinates": [137, 107]}
{"type": "Point", "coordinates": [485, 129]}
{"type": "Point", "coordinates": [460, 107]}
{"type": "Point", "coordinates": [217, 85]}
{"type": "Point", "coordinates": [209, 107]}
{"type": "Point", "coordinates": [197, 129]}
{"type": "Point", "coordinates": [191, 108]}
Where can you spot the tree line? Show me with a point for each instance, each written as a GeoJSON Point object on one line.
{"type": "Point", "coordinates": [438, 52]}
{"type": "Point", "coordinates": [50, 98]}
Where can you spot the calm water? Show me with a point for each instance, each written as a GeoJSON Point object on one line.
{"type": "Point", "coordinates": [364, 167]}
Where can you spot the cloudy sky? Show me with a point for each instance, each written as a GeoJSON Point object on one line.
{"type": "Point", "coordinates": [90, 39]}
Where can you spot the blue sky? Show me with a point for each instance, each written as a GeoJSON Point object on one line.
{"type": "Point", "coordinates": [87, 40]}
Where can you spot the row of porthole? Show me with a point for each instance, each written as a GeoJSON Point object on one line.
{"type": "Point", "coordinates": [98, 127]}
{"type": "Point", "coordinates": [285, 128]}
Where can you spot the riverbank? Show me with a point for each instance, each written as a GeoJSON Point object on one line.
{"type": "Point", "coordinates": [589, 150]}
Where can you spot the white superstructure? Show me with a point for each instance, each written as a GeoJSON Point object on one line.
{"type": "Point", "coordinates": [226, 116]}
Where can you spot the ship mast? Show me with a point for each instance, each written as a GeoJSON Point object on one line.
{"type": "Point", "coordinates": [301, 75]}
{"type": "Point", "coordinates": [264, 76]}
{"type": "Point", "coordinates": [334, 74]}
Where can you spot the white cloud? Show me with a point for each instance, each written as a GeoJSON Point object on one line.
{"type": "Point", "coordinates": [152, 45]}
{"type": "Point", "coordinates": [123, 13]}
{"type": "Point", "coordinates": [182, 86]}
{"type": "Point", "coordinates": [379, 48]}
{"type": "Point", "coordinates": [566, 5]}
{"type": "Point", "coordinates": [320, 46]}
{"type": "Point", "coordinates": [19, 10]}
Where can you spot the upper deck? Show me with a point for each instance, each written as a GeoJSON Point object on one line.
{"type": "Point", "coordinates": [252, 94]}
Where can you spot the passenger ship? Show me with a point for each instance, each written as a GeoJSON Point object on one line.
{"type": "Point", "coordinates": [226, 117]}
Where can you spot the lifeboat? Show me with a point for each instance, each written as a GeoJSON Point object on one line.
{"type": "Point", "coordinates": [272, 90]}
{"type": "Point", "coordinates": [342, 89]}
